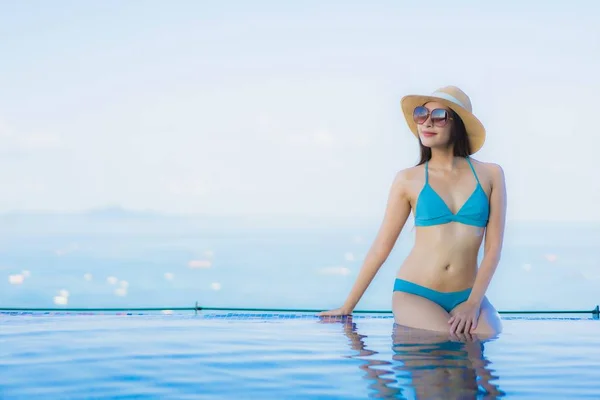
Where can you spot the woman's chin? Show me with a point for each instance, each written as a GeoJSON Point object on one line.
{"type": "Point", "coordinates": [430, 142]}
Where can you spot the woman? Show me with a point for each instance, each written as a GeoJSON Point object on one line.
{"type": "Point", "coordinates": [457, 202]}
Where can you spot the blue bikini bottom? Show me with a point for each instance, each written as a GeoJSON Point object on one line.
{"type": "Point", "coordinates": [447, 300]}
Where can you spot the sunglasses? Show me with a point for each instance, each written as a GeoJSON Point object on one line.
{"type": "Point", "coordinates": [439, 116]}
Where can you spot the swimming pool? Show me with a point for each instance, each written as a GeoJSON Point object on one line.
{"type": "Point", "coordinates": [289, 355]}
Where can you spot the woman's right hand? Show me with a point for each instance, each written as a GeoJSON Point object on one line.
{"type": "Point", "coordinates": [336, 312]}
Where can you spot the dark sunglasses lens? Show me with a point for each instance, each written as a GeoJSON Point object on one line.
{"type": "Point", "coordinates": [439, 117]}
{"type": "Point", "coordinates": [420, 114]}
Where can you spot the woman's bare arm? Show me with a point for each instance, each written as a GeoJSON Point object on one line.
{"type": "Point", "coordinates": [494, 236]}
{"type": "Point", "coordinates": [396, 214]}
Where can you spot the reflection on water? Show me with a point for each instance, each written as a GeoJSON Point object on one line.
{"type": "Point", "coordinates": [425, 365]}
{"type": "Point", "coordinates": [439, 366]}
{"type": "Point", "coordinates": [283, 356]}
{"type": "Point", "coordinates": [377, 372]}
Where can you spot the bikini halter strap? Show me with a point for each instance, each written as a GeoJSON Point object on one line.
{"type": "Point", "coordinates": [473, 169]}
{"type": "Point", "coordinates": [470, 165]}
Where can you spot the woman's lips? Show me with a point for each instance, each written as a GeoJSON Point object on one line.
{"type": "Point", "coordinates": [428, 133]}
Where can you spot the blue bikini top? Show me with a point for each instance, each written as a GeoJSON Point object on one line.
{"type": "Point", "coordinates": [432, 210]}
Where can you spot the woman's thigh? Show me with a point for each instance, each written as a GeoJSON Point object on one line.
{"type": "Point", "coordinates": [418, 312]}
{"type": "Point", "coordinates": [489, 322]}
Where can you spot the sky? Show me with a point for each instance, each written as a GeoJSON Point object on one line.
{"type": "Point", "coordinates": [288, 108]}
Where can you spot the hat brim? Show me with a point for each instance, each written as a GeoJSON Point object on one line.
{"type": "Point", "coordinates": [474, 127]}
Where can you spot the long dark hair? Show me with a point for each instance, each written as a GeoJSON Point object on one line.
{"type": "Point", "coordinates": [458, 137]}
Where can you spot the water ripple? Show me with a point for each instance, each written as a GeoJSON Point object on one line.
{"type": "Point", "coordinates": [167, 357]}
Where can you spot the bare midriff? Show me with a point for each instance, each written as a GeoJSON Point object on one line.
{"type": "Point", "coordinates": [444, 257]}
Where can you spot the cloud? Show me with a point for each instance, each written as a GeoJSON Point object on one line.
{"type": "Point", "coordinates": [40, 141]}
{"type": "Point", "coordinates": [11, 140]}
{"type": "Point", "coordinates": [340, 271]}
{"type": "Point", "coordinates": [16, 279]}
{"type": "Point", "coordinates": [198, 264]}
{"type": "Point", "coordinates": [318, 138]}
{"type": "Point", "coordinates": [323, 138]}
{"type": "Point", "coordinates": [591, 275]}
{"type": "Point", "coordinates": [310, 138]}
{"type": "Point", "coordinates": [188, 186]}
{"type": "Point", "coordinates": [266, 123]}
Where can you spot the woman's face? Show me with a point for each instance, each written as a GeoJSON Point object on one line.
{"type": "Point", "coordinates": [432, 134]}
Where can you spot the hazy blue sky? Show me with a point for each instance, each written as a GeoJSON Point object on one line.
{"type": "Point", "coordinates": [288, 107]}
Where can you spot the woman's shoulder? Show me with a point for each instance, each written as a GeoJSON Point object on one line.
{"type": "Point", "coordinates": [408, 180]}
{"type": "Point", "coordinates": [491, 171]}
{"type": "Point", "coordinates": [487, 166]}
{"type": "Point", "coordinates": [410, 174]}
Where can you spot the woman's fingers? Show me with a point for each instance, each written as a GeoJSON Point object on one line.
{"type": "Point", "coordinates": [474, 325]}
{"type": "Point", "coordinates": [467, 326]}
{"type": "Point", "coordinates": [461, 325]}
{"type": "Point", "coordinates": [331, 313]}
{"type": "Point", "coordinates": [454, 326]}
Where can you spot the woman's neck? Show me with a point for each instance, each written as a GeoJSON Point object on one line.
{"type": "Point", "coordinates": [444, 159]}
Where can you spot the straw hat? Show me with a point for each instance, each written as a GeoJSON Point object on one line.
{"type": "Point", "coordinates": [455, 99]}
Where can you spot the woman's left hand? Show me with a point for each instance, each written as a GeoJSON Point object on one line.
{"type": "Point", "coordinates": [464, 317]}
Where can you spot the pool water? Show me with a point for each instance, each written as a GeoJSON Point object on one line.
{"type": "Point", "coordinates": [285, 356]}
